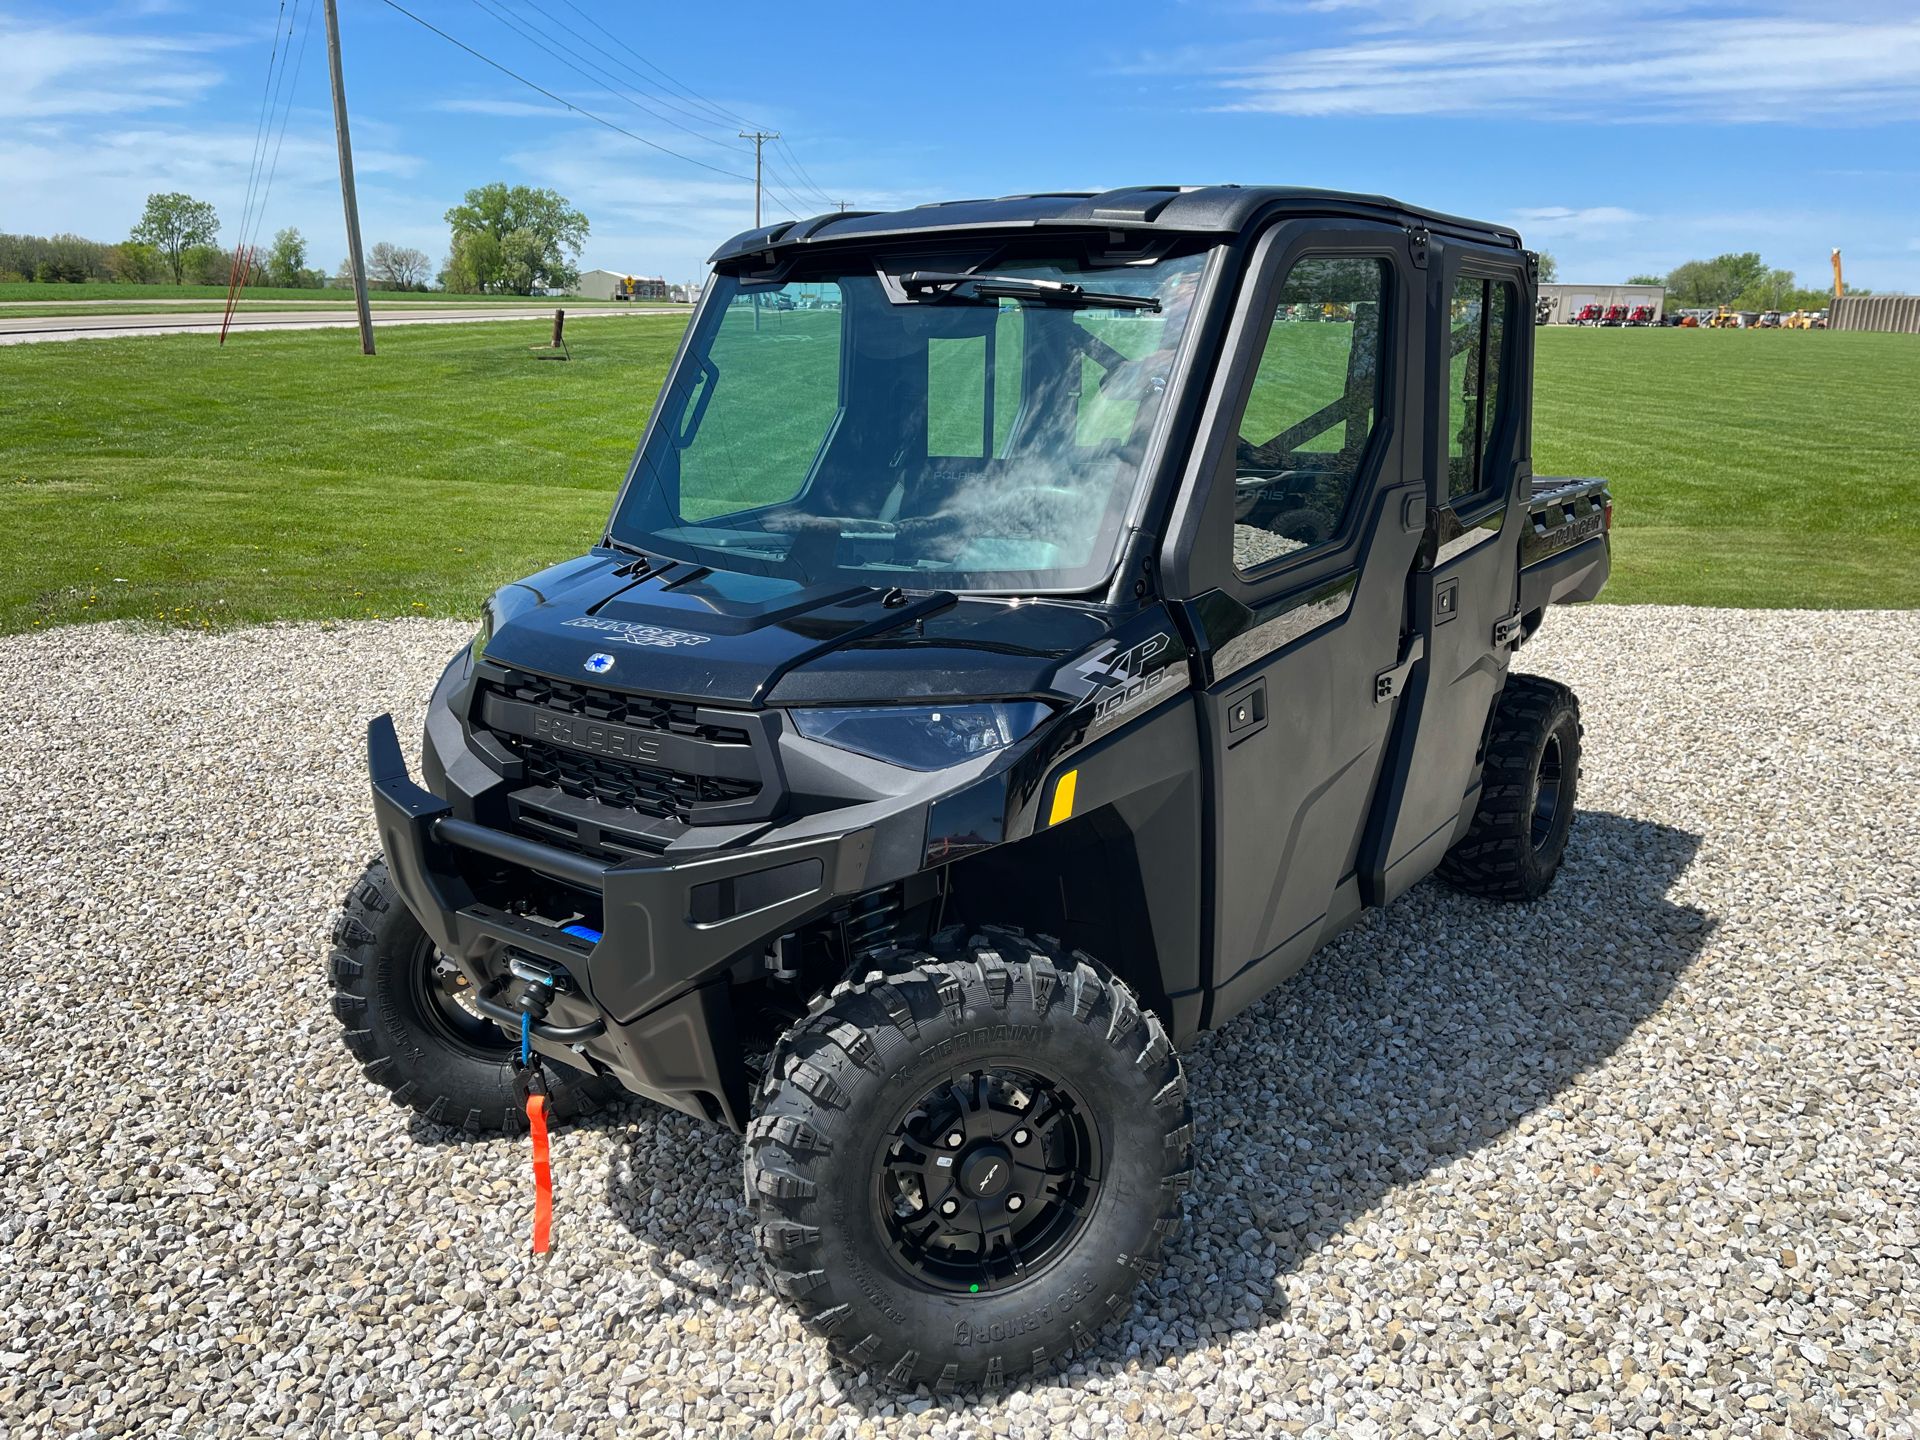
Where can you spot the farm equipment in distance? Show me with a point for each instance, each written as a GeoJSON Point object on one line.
{"type": "Point", "coordinates": [1642, 315]}
{"type": "Point", "coordinates": [1616, 315]}
{"type": "Point", "coordinates": [1589, 315]}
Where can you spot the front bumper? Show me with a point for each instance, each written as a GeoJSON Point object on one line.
{"type": "Point", "coordinates": [651, 1004]}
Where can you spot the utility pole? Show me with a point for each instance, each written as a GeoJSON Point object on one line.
{"type": "Point", "coordinates": [842, 205]}
{"type": "Point", "coordinates": [346, 180]}
{"type": "Point", "coordinates": [759, 138]}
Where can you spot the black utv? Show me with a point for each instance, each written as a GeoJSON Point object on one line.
{"type": "Point", "coordinates": [1028, 628]}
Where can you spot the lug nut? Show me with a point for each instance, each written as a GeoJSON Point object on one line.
{"type": "Point", "coordinates": [947, 1207]}
{"type": "Point", "coordinates": [955, 1140]}
{"type": "Point", "coordinates": [1014, 1202]}
{"type": "Point", "coordinates": [1020, 1137]}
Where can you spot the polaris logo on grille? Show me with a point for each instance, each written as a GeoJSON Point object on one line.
{"type": "Point", "coordinates": [600, 662]}
{"type": "Point", "coordinates": [636, 634]}
{"type": "Point", "coordinates": [617, 742]}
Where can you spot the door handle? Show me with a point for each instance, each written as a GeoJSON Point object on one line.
{"type": "Point", "coordinates": [1246, 711]}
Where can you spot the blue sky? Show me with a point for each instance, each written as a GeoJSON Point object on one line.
{"type": "Point", "coordinates": [1622, 135]}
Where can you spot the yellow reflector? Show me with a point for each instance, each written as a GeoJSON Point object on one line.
{"type": "Point", "coordinates": [1063, 798]}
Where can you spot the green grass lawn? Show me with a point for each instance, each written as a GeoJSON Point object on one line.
{"type": "Point", "coordinates": [52, 294]}
{"type": "Point", "coordinates": [1745, 471]}
{"type": "Point", "coordinates": [573, 305]}
{"type": "Point", "coordinates": [287, 476]}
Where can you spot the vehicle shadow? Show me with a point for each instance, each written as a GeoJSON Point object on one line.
{"type": "Point", "coordinates": [1426, 1032]}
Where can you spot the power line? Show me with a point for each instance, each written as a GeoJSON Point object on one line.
{"type": "Point", "coordinates": [807, 198]}
{"type": "Point", "coordinates": [667, 80]}
{"type": "Point", "coordinates": [803, 203]}
{"type": "Point", "coordinates": [726, 116]}
{"type": "Point", "coordinates": [260, 130]}
{"type": "Point", "coordinates": [616, 89]}
{"type": "Point", "coordinates": [647, 87]}
{"type": "Point", "coordinates": [787, 150]}
{"type": "Point", "coordinates": [286, 112]}
{"type": "Point", "coordinates": [564, 104]}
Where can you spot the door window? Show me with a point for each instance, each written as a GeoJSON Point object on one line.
{"type": "Point", "coordinates": [973, 388]}
{"type": "Point", "coordinates": [1481, 312]}
{"type": "Point", "coordinates": [1314, 405]}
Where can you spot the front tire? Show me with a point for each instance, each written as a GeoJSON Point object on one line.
{"type": "Point", "coordinates": [398, 999]}
{"type": "Point", "coordinates": [1528, 787]}
{"type": "Point", "coordinates": [963, 1170]}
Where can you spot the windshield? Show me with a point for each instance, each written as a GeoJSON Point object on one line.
{"type": "Point", "coordinates": [849, 427]}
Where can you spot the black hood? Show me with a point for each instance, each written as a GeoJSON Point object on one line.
{"type": "Point", "coordinates": [720, 637]}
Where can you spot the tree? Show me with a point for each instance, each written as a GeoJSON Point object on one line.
{"type": "Point", "coordinates": [1772, 290]}
{"type": "Point", "coordinates": [134, 262]}
{"type": "Point", "coordinates": [206, 265]}
{"type": "Point", "coordinates": [538, 235]}
{"type": "Point", "coordinates": [1646, 280]}
{"type": "Point", "coordinates": [1549, 268]}
{"type": "Point", "coordinates": [397, 267]}
{"type": "Point", "coordinates": [175, 224]}
{"type": "Point", "coordinates": [287, 259]}
{"type": "Point", "coordinates": [471, 260]}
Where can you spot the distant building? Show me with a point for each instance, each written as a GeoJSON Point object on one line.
{"type": "Point", "coordinates": [613, 285]}
{"type": "Point", "coordinates": [1565, 302]}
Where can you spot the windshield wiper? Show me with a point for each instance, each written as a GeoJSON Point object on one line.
{"type": "Point", "coordinates": [946, 285]}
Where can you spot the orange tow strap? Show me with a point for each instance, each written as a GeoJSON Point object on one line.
{"type": "Point", "coordinates": [542, 1175]}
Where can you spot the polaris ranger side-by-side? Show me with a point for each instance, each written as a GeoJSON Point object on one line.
{"type": "Point", "coordinates": [1027, 630]}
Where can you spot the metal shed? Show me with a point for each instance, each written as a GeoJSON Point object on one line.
{"type": "Point", "coordinates": [1894, 314]}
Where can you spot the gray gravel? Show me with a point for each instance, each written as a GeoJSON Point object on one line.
{"type": "Point", "coordinates": [1640, 1159]}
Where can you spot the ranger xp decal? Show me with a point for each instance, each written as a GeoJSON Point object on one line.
{"type": "Point", "coordinates": [637, 634]}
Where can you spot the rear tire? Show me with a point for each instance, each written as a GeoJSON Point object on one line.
{"type": "Point", "coordinates": [996, 1092]}
{"type": "Point", "coordinates": [1528, 788]}
{"type": "Point", "coordinates": [398, 1002]}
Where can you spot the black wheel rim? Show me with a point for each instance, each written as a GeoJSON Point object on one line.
{"type": "Point", "coordinates": [1546, 793]}
{"type": "Point", "coordinates": [443, 998]}
{"type": "Point", "coordinates": [988, 1180]}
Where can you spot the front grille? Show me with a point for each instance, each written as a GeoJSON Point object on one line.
{"type": "Point", "coordinates": [669, 786]}
{"type": "Point", "coordinates": [665, 794]}
{"type": "Point", "coordinates": [643, 712]}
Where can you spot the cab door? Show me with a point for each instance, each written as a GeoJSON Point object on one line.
{"type": "Point", "coordinates": [1293, 537]}
{"type": "Point", "coordinates": [1476, 473]}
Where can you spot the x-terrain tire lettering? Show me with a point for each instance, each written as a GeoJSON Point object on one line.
{"type": "Point", "coordinates": [906, 1074]}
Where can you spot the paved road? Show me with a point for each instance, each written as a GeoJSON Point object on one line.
{"type": "Point", "coordinates": [25, 329]}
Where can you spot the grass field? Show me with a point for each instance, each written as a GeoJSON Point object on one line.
{"type": "Point", "coordinates": [288, 476]}
{"type": "Point", "coordinates": [48, 294]}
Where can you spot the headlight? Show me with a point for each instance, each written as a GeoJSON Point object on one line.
{"type": "Point", "coordinates": [922, 737]}
{"type": "Point", "coordinates": [483, 635]}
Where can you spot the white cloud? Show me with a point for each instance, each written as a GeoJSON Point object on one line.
{"type": "Point", "coordinates": [1556, 219]}
{"type": "Point", "coordinates": [1628, 60]}
{"type": "Point", "coordinates": [53, 71]}
{"type": "Point", "coordinates": [93, 180]}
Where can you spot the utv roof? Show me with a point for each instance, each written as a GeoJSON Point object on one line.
{"type": "Point", "coordinates": [1189, 209]}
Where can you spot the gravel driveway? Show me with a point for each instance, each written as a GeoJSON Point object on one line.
{"type": "Point", "coordinates": [1638, 1159]}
